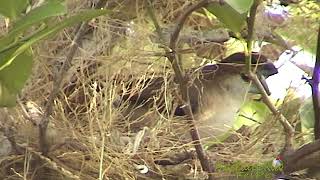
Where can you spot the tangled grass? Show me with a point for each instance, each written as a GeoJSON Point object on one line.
{"type": "Point", "coordinates": [89, 139]}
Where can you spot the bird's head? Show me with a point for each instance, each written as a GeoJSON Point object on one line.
{"type": "Point", "coordinates": [231, 71]}
{"type": "Point", "coordinates": [260, 64]}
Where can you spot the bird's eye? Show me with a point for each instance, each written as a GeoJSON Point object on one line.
{"type": "Point", "coordinates": [244, 77]}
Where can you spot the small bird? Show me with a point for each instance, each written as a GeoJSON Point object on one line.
{"type": "Point", "coordinates": [216, 93]}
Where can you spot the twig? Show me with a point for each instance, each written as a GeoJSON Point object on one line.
{"type": "Point", "coordinates": [304, 157]}
{"type": "Point", "coordinates": [249, 118]}
{"type": "Point", "coordinates": [80, 30]}
{"type": "Point", "coordinates": [286, 125]}
{"type": "Point", "coordinates": [251, 21]}
{"type": "Point", "coordinates": [183, 82]}
{"type": "Point", "coordinates": [182, 18]}
{"type": "Point", "coordinates": [50, 163]}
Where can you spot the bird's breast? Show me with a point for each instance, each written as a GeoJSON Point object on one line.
{"type": "Point", "coordinates": [216, 118]}
{"type": "Point", "coordinates": [219, 107]}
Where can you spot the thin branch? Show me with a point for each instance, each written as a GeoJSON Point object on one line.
{"type": "Point", "coordinates": [182, 19]}
{"type": "Point", "coordinates": [286, 125]}
{"type": "Point", "coordinates": [80, 30]}
{"type": "Point", "coordinates": [251, 21]}
{"type": "Point", "coordinates": [183, 82]}
{"type": "Point", "coordinates": [50, 163]}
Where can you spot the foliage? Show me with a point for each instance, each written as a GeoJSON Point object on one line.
{"type": "Point", "coordinates": [34, 17]}
{"type": "Point", "coordinates": [240, 6]}
{"type": "Point", "coordinates": [13, 77]}
{"type": "Point", "coordinates": [307, 118]}
{"type": "Point", "coordinates": [232, 14]}
{"type": "Point", "coordinates": [13, 9]}
{"type": "Point", "coordinates": [229, 16]}
{"type": "Point", "coordinates": [15, 47]}
{"type": "Point", "coordinates": [256, 110]}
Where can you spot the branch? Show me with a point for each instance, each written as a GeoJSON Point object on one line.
{"type": "Point", "coordinates": [286, 125]}
{"type": "Point", "coordinates": [251, 21]}
{"type": "Point", "coordinates": [183, 82]}
{"type": "Point", "coordinates": [301, 158]}
{"type": "Point", "coordinates": [80, 30]}
{"type": "Point", "coordinates": [305, 150]}
{"type": "Point", "coordinates": [305, 157]}
{"type": "Point", "coordinates": [182, 19]}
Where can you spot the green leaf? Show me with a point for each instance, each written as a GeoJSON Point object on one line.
{"type": "Point", "coordinates": [51, 30]}
{"type": "Point", "coordinates": [14, 76]}
{"type": "Point", "coordinates": [39, 14]}
{"type": "Point", "coordinates": [228, 16]}
{"type": "Point", "coordinates": [7, 99]}
{"type": "Point", "coordinates": [307, 114]}
{"type": "Point", "coordinates": [240, 6]}
{"type": "Point", "coordinates": [250, 111]}
{"type": "Point", "coordinates": [13, 8]}
{"type": "Point", "coordinates": [307, 119]}
{"type": "Point", "coordinates": [16, 62]}
{"type": "Point", "coordinates": [34, 17]}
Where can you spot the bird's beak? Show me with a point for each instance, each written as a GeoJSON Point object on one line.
{"type": "Point", "coordinates": [264, 71]}
{"type": "Point", "coordinates": [255, 90]}
{"type": "Point", "coordinates": [262, 80]}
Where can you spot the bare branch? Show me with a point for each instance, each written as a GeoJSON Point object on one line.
{"type": "Point", "coordinates": [286, 125]}
{"type": "Point", "coordinates": [182, 19]}
{"type": "Point", "coordinates": [80, 30]}
{"type": "Point", "coordinates": [251, 20]}
{"type": "Point", "coordinates": [183, 83]}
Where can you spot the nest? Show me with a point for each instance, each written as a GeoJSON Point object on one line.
{"type": "Point", "coordinates": [89, 139]}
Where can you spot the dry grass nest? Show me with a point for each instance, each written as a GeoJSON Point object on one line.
{"type": "Point", "coordinates": [89, 139]}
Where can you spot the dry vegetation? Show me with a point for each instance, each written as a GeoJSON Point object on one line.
{"type": "Point", "coordinates": [89, 139]}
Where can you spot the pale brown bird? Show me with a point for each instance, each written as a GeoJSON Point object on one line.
{"type": "Point", "coordinates": [216, 93]}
